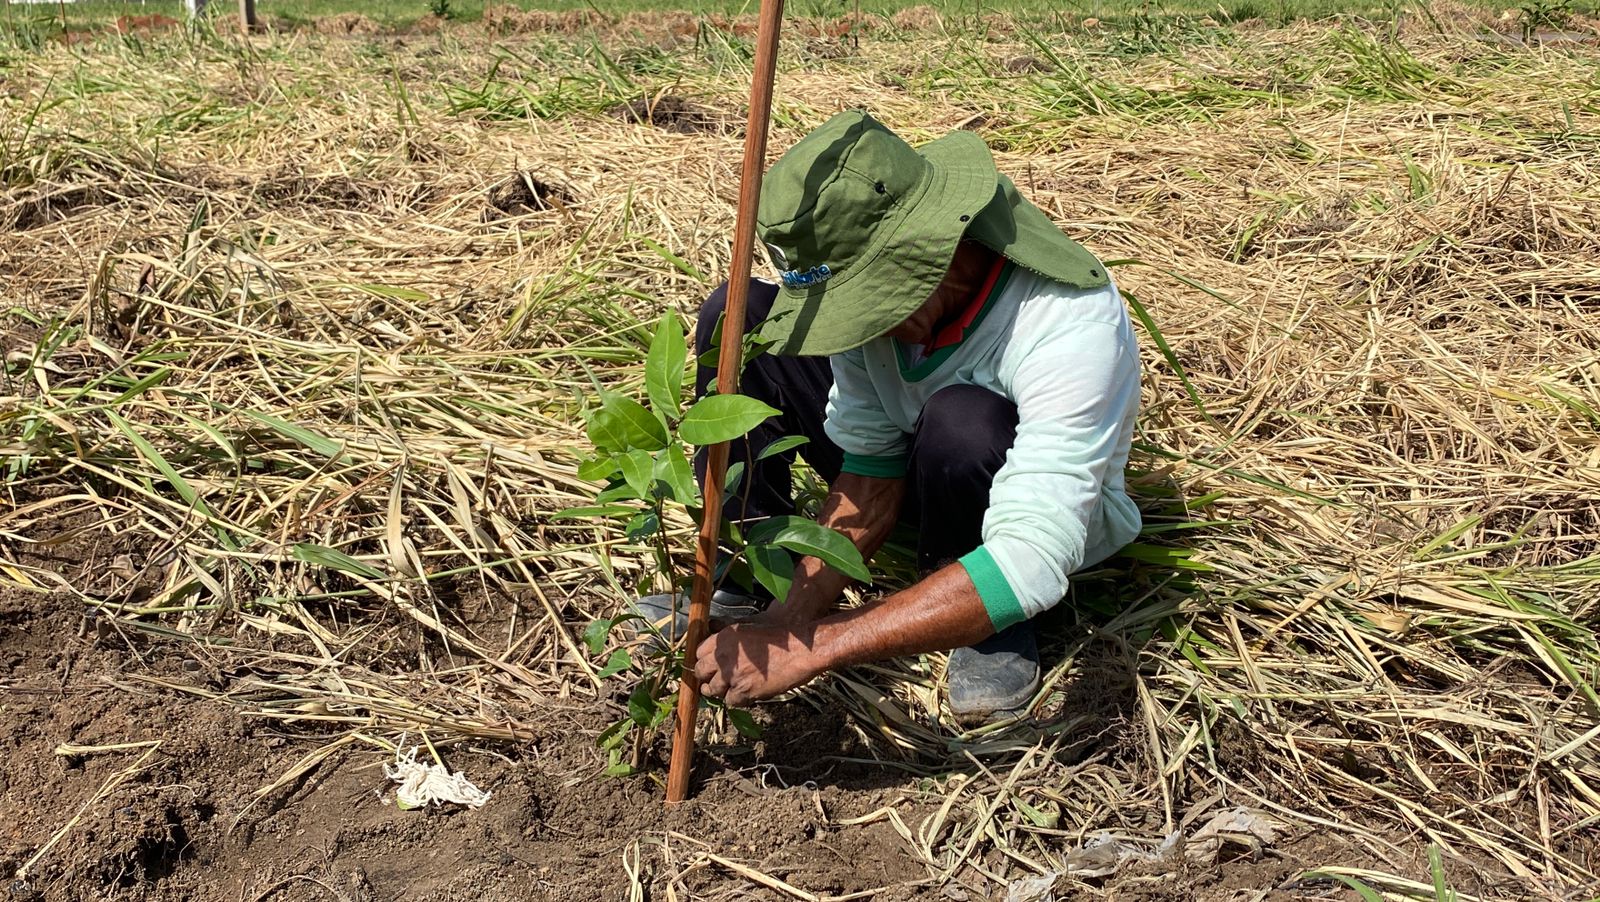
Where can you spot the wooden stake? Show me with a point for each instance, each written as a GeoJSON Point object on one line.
{"type": "Point", "coordinates": [729, 362]}
{"type": "Point", "coordinates": [247, 15]}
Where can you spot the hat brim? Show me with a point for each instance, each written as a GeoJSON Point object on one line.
{"type": "Point", "coordinates": [1023, 234]}
{"type": "Point", "coordinates": [909, 256]}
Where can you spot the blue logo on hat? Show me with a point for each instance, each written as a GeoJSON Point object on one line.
{"type": "Point", "coordinates": [816, 275]}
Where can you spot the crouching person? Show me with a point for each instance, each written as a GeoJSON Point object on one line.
{"type": "Point", "coordinates": [957, 364]}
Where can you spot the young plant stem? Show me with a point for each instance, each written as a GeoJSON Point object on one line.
{"type": "Point", "coordinates": [657, 680]}
{"type": "Point", "coordinates": [730, 358]}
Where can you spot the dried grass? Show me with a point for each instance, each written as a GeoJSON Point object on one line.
{"type": "Point", "coordinates": [514, 20]}
{"type": "Point", "coordinates": [1366, 598]}
{"type": "Point", "coordinates": [347, 24]}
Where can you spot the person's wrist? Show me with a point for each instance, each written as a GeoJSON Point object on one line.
{"type": "Point", "coordinates": [810, 649]}
{"type": "Point", "coordinates": [804, 603]}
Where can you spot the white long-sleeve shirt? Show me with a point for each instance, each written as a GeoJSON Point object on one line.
{"type": "Point", "coordinates": [1068, 359]}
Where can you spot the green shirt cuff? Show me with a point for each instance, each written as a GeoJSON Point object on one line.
{"type": "Point", "coordinates": [889, 466]}
{"type": "Point", "coordinates": [998, 598]}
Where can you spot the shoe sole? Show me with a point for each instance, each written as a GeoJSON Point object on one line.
{"type": "Point", "coordinates": [1014, 705]}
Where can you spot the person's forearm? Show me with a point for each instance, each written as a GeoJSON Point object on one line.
{"type": "Point", "coordinates": [755, 660]}
{"type": "Point", "coordinates": [863, 508]}
{"type": "Point", "coordinates": [939, 613]}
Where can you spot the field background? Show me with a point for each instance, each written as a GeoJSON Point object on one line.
{"type": "Point", "coordinates": [284, 13]}
{"type": "Point", "coordinates": [299, 330]}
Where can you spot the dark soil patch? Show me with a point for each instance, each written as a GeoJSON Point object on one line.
{"type": "Point", "coordinates": [334, 191]}
{"type": "Point", "coordinates": [524, 193]}
{"type": "Point", "coordinates": [287, 188]}
{"type": "Point", "coordinates": [829, 48]}
{"type": "Point", "coordinates": [1027, 63]}
{"type": "Point", "coordinates": [673, 114]}
{"type": "Point", "coordinates": [347, 24]}
{"type": "Point", "coordinates": [138, 24]}
{"type": "Point", "coordinates": [52, 202]}
{"type": "Point", "coordinates": [341, 192]}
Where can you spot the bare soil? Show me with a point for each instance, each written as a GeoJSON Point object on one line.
{"type": "Point", "coordinates": [207, 815]}
{"type": "Point", "coordinates": [674, 114]}
{"type": "Point", "coordinates": [192, 823]}
{"type": "Point", "coordinates": [524, 192]}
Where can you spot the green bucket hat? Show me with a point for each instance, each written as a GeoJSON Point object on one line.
{"type": "Point", "coordinates": [863, 228]}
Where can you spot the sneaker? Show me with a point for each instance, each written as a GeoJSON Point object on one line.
{"type": "Point", "coordinates": [995, 678]}
{"type": "Point", "coordinates": [726, 607]}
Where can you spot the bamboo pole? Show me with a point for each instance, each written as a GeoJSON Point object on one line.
{"type": "Point", "coordinates": [730, 361]}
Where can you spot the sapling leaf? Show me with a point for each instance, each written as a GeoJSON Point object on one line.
{"type": "Point", "coordinates": [754, 347]}
{"type": "Point", "coordinates": [598, 469]}
{"type": "Point", "coordinates": [184, 489]}
{"type": "Point", "coordinates": [782, 445]}
{"type": "Point", "coordinates": [638, 469]}
{"type": "Point", "coordinates": [622, 424]}
{"type": "Point", "coordinates": [744, 723]}
{"type": "Point", "coordinates": [642, 705]}
{"type": "Point", "coordinates": [713, 356]}
{"type": "Point", "coordinates": [1166, 352]}
{"type": "Point", "coordinates": [1164, 556]}
{"type": "Point", "coordinates": [616, 767]}
{"type": "Point", "coordinates": [682, 265]}
{"type": "Point", "coordinates": [619, 661]}
{"type": "Point", "coordinates": [623, 492]}
{"type": "Point", "coordinates": [731, 480]}
{"type": "Point", "coordinates": [664, 708]}
{"type": "Point", "coordinates": [595, 634]}
{"type": "Point", "coordinates": [719, 418]}
{"type": "Point", "coordinates": [643, 526]}
{"type": "Point", "coordinates": [672, 468]}
{"type": "Point", "coordinates": [736, 570]}
{"type": "Point", "coordinates": [663, 369]}
{"type": "Point", "coordinates": [809, 537]}
{"type": "Point", "coordinates": [1441, 890]}
{"type": "Point", "coordinates": [611, 737]}
{"type": "Point", "coordinates": [772, 567]}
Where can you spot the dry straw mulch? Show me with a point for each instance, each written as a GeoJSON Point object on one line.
{"type": "Point", "coordinates": [1369, 453]}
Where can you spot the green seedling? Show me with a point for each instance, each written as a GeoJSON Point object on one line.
{"type": "Point", "coordinates": [642, 454]}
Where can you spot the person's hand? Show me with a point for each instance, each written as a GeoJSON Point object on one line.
{"type": "Point", "coordinates": [747, 662]}
{"type": "Point", "coordinates": [786, 614]}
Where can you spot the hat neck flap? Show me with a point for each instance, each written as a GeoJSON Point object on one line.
{"type": "Point", "coordinates": [1020, 231]}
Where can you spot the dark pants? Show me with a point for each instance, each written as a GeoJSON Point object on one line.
{"type": "Point", "coordinates": [961, 440]}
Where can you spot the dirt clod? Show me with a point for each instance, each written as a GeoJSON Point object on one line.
{"type": "Point", "coordinates": [348, 24]}
{"type": "Point", "coordinates": [674, 114]}
{"type": "Point", "coordinates": [1028, 63]}
{"type": "Point", "coordinates": [525, 193]}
